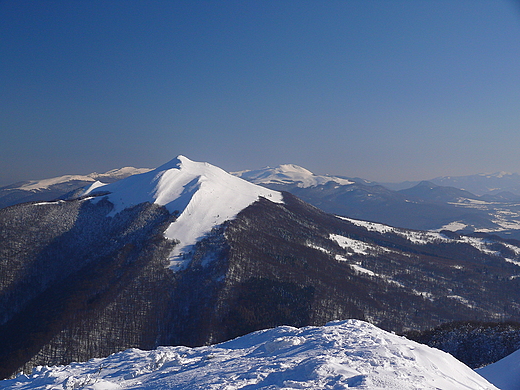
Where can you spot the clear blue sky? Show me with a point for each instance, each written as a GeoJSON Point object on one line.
{"type": "Point", "coordinates": [386, 90]}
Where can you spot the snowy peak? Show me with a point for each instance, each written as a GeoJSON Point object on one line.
{"type": "Point", "coordinates": [202, 195]}
{"type": "Point", "coordinates": [288, 174]}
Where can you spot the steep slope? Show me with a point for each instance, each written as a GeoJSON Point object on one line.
{"type": "Point", "coordinates": [75, 284]}
{"type": "Point", "coordinates": [351, 354]}
{"type": "Point", "coordinates": [200, 195]}
{"type": "Point", "coordinates": [58, 187]}
{"type": "Point", "coordinates": [296, 264]}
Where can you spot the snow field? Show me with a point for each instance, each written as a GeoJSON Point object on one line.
{"type": "Point", "coordinates": [340, 355]}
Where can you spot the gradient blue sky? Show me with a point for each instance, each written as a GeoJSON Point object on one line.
{"type": "Point", "coordinates": [386, 90]}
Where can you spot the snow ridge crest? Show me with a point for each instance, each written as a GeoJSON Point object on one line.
{"type": "Point", "coordinates": [340, 355]}
{"type": "Point", "coordinates": [202, 195]}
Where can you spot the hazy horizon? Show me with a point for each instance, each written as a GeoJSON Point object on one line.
{"type": "Point", "coordinates": [385, 91]}
{"type": "Point", "coordinates": [402, 182]}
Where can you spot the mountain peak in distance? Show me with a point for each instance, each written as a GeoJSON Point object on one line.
{"type": "Point", "coordinates": [288, 174]}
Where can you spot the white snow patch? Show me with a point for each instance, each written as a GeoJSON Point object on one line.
{"type": "Point", "coordinates": [356, 246]}
{"type": "Point", "coordinates": [452, 226]}
{"type": "Point", "coordinates": [340, 355]}
{"type": "Point", "coordinates": [314, 246]}
{"type": "Point", "coordinates": [424, 294]}
{"type": "Point", "coordinates": [49, 202]}
{"type": "Point", "coordinates": [515, 262]}
{"type": "Point", "coordinates": [470, 202]}
{"type": "Point", "coordinates": [362, 270]}
{"type": "Point", "coordinates": [462, 300]}
{"type": "Point", "coordinates": [506, 225]}
{"type": "Point", "coordinates": [36, 185]}
{"type": "Point", "coordinates": [370, 226]}
{"type": "Point", "coordinates": [203, 196]}
{"type": "Point", "coordinates": [414, 236]}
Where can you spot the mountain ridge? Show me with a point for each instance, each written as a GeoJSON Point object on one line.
{"type": "Point", "coordinates": [67, 186]}
{"type": "Point", "coordinates": [84, 277]}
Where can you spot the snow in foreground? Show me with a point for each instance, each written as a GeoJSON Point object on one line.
{"type": "Point", "coordinates": [505, 373]}
{"type": "Point", "coordinates": [340, 355]}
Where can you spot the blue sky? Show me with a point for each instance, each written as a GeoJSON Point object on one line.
{"type": "Point", "coordinates": [386, 90]}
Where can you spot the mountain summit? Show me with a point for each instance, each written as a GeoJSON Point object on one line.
{"type": "Point", "coordinates": [200, 195]}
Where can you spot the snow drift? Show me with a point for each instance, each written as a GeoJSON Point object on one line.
{"type": "Point", "coordinates": [340, 355]}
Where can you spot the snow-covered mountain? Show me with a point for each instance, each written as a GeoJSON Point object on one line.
{"type": "Point", "coordinates": [200, 195]}
{"type": "Point", "coordinates": [56, 187]}
{"type": "Point", "coordinates": [289, 175]}
{"type": "Point", "coordinates": [424, 205]}
{"type": "Point", "coordinates": [340, 355]}
{"type": "Point", "coordinates": [86, 277]}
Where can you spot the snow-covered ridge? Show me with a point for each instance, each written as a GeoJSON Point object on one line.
{"type": "Point", "coordinates": [288, 174]}
{"type": "Point", "coordinates": [114, 174]}
{"type": "Point", "coordinates": [202, 195]}
{"type": "Point", "coordinates": [340, 355]}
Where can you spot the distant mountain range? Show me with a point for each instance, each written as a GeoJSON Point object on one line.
{"type": "Point", "coordinates": [479, 184]}
{"type": "Point", "coordinates": [188, 254]}
{"type": "Point", "coordinates": [59, 187]}
{"type": "Point", "coordinates": [424, 206]}
{"type": "Point", "coordinates": [477, 203]}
